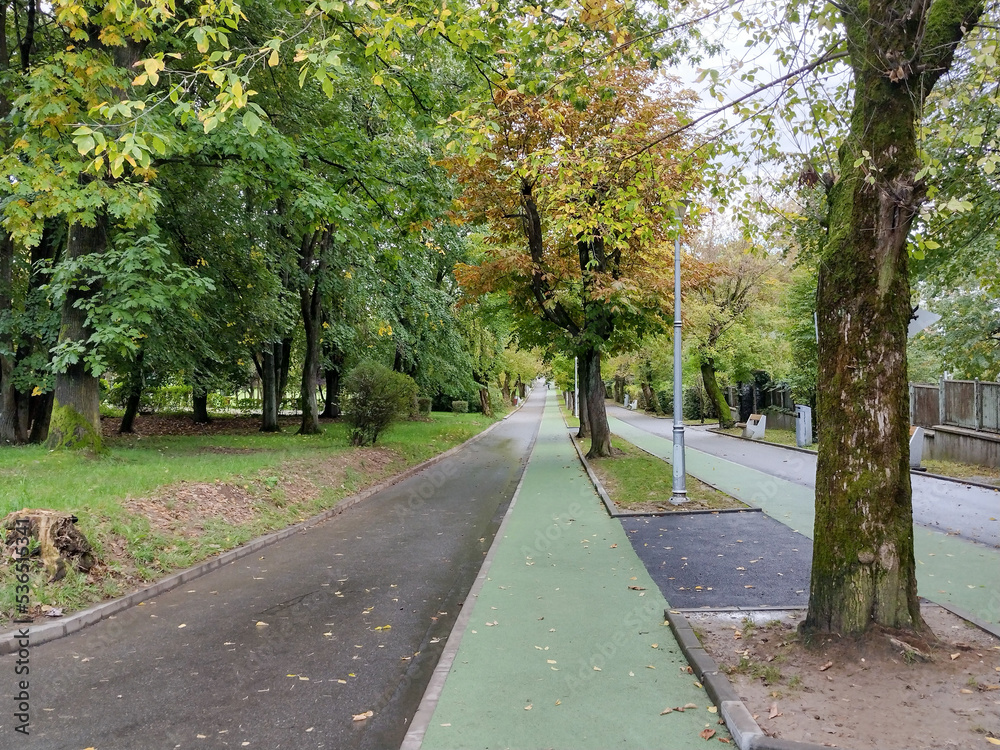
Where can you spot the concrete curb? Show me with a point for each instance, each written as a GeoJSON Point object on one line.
{"type": "Point", "coordinates": [77, 621]}
{"type": "Point", "coordinates": [739, 721]}
{"type": "Point", "coordinates": [615, 512]}
{"type": "Point", "coordinates": [432, 694]}
{"type": "Point", "coordinates": [914, 472]}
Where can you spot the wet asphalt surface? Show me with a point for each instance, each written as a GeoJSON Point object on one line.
{"type": "Point", "coordinates": [281, 649]}
{"type": "Point", "coordinates": [723, 560]}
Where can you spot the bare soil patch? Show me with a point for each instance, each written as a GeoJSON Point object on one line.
{"type": "Point", "coordinates": [866, 695]}
{"type": "Point", "coordinates": [150, 425]}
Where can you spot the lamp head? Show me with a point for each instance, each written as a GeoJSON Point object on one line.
{"type": "Point", "coordinates": [681, 208]}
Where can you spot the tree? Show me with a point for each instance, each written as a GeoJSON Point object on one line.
{"type": "Point", "coordinates": [863, 566]}
{"type": "Point", "coordinates": [578, 213]}
{"type": "Point", "coordinates": [744, 281]}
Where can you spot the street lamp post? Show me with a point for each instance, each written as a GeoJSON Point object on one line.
{"type": "Point", "coordinates": [679, 495]}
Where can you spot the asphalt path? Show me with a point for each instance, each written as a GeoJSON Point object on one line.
{"type": "Point", "coordinates": [722, 560]}
{"type": "Point", "coordinates": [281, 649]}
{"type": "Point", "coordinates": [955, 508]}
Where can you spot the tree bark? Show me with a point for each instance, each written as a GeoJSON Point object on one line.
{"type": "Point", "coordinates": [582, 369]}
{"type": "Point", "coordinates": [41, 417]}
{"type": "Point", "coordinates": [269, 389]}
{"type": "Point", "coordinates": [199, 399]}
{"type": "Point", "coordinates": [13, 427]}
{"type": "Point", "coordinates": [136, 381]}
{"type": "Point", "coordinates": [484, 401]}
{"type": "Point", "coordinates": [331, 405]}
{"type": "Point", "coordinates": [863, 567]}
{"type": "Point", "coordinates": [715, 394]}
{"type": "Point", "coordinates": [76, 417]}
{"type": "Point", "coordinates": [600, 431]}
{"type": "Point", "coordinates": [312, 322]}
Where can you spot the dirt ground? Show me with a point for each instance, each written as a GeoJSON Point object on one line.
{"type": "Point", "coordinates": [867, 696]}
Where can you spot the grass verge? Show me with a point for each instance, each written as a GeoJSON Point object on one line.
{"type": "Point", "coordinates": [635, 480]}
{"type": "Point", "coordinates": [154, 505]}
{"type": "Point", "coordinates": [778, 437]}
{"type": "Point", "coordinates": [959, 470]}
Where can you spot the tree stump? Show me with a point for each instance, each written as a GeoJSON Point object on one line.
{"type": "Point", "coordinates": [59, 542]}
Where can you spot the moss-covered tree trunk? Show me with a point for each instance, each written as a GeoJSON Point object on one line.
{"type": "Point", "coordinates": [199, 404]}
{"type": "Point", "coordinates": [715, 393]}
{"type": "Point", "coordinates": [76, 419]}
{"type": "Point", "coordinates": [863, 565]}
{"type": "Point", "coordinates": [331, 402]}
{"type": "Point", "coordinates": [13, 402]}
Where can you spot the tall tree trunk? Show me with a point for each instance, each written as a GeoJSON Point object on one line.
{"type": "Point", "coordinates": [13, 421]}
{"type": "Point", "coordinates": [76, 417]}
{"type": "Point", "coordinates": [505, 386]}
{"type": "Point", "coordinates": [863, 567]}
{"type": "Point", "coordinates": [199, 400]}
{"type": "Point", "coordinates": [600, 431]}
{"type": "Point", "coordinates": [582, 370]}
{"type": "Point", "coordinates": [619, 389]}
{"type": "Point", "coordinates": [41, 417]}
{"type": "Point", "coordinates": [136, 382]}
{"type": "Point", "coordinates": [715, 394]}
{"type": "Point", "coordinates": [283, 366]}
{"type": "Point", "coordinates": [269, 388]}
{"type": "Point", "coordinates": [312, 321]}
{"type": "Point", "coordinates": [484, 401]}
{"type": "Point", "coordinates": [331, 407]}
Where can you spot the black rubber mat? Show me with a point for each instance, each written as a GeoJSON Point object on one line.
{"type": "Point", "coordinates": [744, 560]}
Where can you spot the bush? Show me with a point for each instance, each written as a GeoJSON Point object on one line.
{"type": "Point", "coordinates": [424, 405]}
{"type": "Point", "coordinates": [697, 404]}
{"type": "Point", "coordinates": [374, 397]}
{"type": "Point", "coordinates": [460, 407]}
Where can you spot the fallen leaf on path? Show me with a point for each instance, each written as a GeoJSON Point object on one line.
{"type": "Point", "coordinates": [690, 705]}
{"type": "Point", "coordinates": [707, 734]}
{"type": "Point", "coordinates": [597, 669]}
{"type": "Point", "coordinates": [528, 707]}
{"type": "Point", "coordinates": [365, 715]}
{"type": "Point", "coordinates": [666, 711]}
{"type": "Point", "coordinates": [713, 709]}
{"type": "Point", "coordinates": [637, 588]}
{"type": "Point", "coordinates": [993, 740]}
{"type": "Point", "coordinates": [955, 656]}
{"type": "Point", "coordinates": [774, 712]}
{"type": "Point", "coordinates": [826, 666]}
{"type": "Point", "coordinates": [261, 624]}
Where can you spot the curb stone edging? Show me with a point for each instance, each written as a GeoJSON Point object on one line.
{"type": "Point", "coordinates": [104, 610]}
{"type": "Point", "coordinates": [739, 721]}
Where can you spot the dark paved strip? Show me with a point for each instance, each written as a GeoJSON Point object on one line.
{"type": "Point", "coordinates": [280, 649]}
{"type": "Point", "coordinates": [727, 560]}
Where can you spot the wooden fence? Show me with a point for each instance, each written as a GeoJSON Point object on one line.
{"type": "Point", "coordinates": [972, 404]}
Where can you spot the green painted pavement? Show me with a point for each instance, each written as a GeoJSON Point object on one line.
{"type": "Point", "coordinates": [555, 605]}
{"type": "Point", "coordinates": [950, 570]}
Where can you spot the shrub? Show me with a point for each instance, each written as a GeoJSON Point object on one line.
{"type": "Point", "coordinates": [460, 407]}
{"type": "Point", "coordinates": [424, 405]}
{"type": "Point", "coordinates": [374, 397]}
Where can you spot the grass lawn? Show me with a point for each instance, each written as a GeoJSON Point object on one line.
{"type": "Point", "coordinates": [778, 437]}
{"type": "Point", "coordinates": [635, 480]}
{"type": "Point", "coordinates": [153, 505]}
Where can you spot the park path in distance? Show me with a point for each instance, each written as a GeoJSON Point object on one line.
{"type": "Point", "coordinates": [348, 604]}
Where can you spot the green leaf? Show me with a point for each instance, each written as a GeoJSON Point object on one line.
{"type": "Point", "coordinates": [251, 122]}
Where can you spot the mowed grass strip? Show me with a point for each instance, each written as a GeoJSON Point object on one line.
{"type": "Point", "coordinates": [635, 480]}
{"type": "Point", "coordinates": [125, 500]}
{"type": "Point", "coordinates": [776, 436]}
